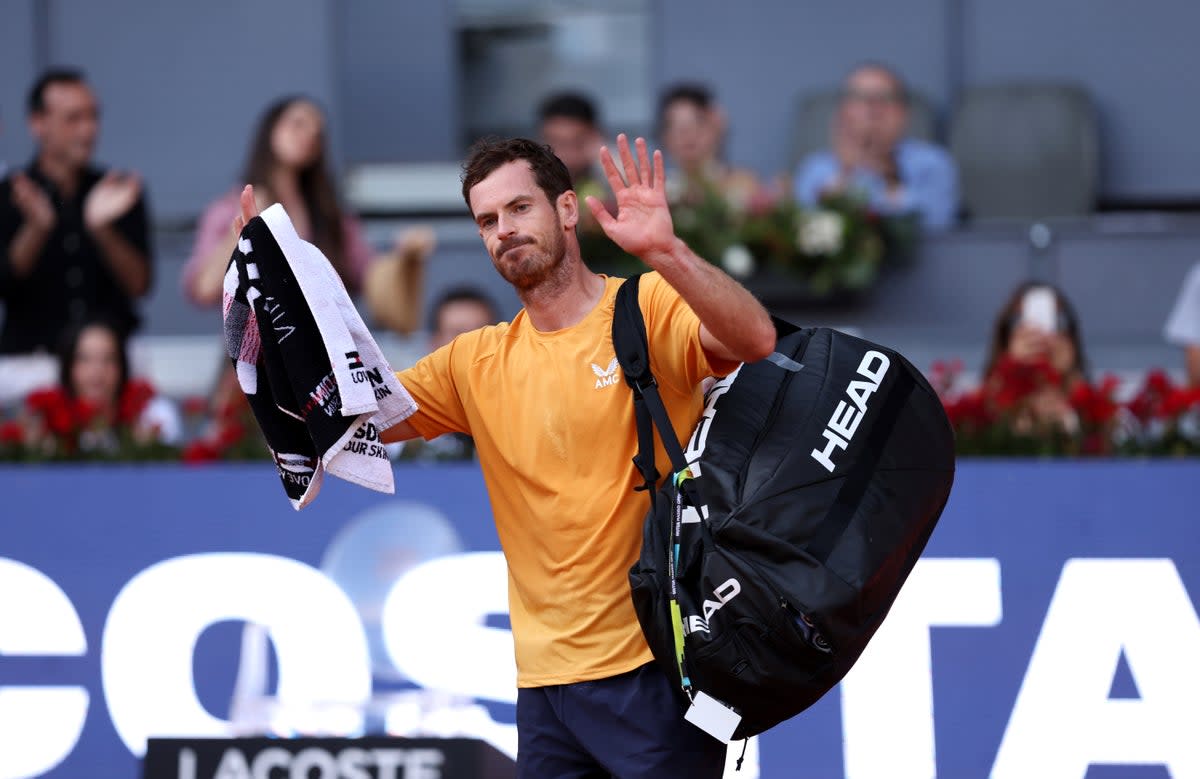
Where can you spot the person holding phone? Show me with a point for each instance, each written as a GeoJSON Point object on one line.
{"type": "Point", "coordinates": [1037, 324]}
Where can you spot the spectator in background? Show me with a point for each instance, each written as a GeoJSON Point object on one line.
{"type": "Point", "coordinates": [286, 164]}
{"type": "Point", "coordinates": [692, 128]}
{"type": "Point", "coordinates": [1183, 327]}
{"type": "Point", "coordinates": [458, 310]}
{"type": "Point", "coordinates": [570, 126]}
{"type": "Point", "coordinates": [1036, 355]}
{"type": "Point", "coordinates": [75, 238]}
{"type": "Point", "coordinates": [871, 155]}
{"type": "Point", "coordinates": [96, 402]}
{"type": "Point", "coordinates": [394, 284]}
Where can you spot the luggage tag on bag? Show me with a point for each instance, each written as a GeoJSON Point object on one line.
{"type": "Point", "coordinates": [713, 717]}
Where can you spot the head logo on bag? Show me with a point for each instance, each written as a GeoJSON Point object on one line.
{"type": "Point", "coordinates": [816, 478]}
{"type": "Point", "coordinates": [844, 422]}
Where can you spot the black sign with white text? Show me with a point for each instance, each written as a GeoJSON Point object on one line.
{"type": "Point", "coordinates": [324, 758]}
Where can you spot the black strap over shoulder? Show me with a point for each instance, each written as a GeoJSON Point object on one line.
{"type": "Point", "coordinates": [633, 354]}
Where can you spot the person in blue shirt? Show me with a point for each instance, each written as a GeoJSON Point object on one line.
{"type": "Point", "coordinates": [871, 155]}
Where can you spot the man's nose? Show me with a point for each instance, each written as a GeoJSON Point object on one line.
{"type": "Point", "coordinates": [505, 226]}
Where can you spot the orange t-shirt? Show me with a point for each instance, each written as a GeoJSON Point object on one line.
{"type": "Point", "coordinates": [552, 420]}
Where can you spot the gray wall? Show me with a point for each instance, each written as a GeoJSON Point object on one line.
{"type": "Point", "coordinates": [1137, 60]}
{"type": "Point", "coordinates": [181, 99]}
{"type": "Point", "coordinates": [398, 81]}
{"type": "Point", "coordinates": [18, 66]}
{"type": "Point", "coordinates": [182, 83]}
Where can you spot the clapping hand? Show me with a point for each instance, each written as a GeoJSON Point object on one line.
{"type": "Point", "coordinates": [111, 198]}
{"type": "Point", "coordinates": [642, 226]}
{"type": "Point", "coordinates": [32, 202]}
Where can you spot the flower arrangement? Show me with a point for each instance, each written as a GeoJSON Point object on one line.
{"type": "Point", "coordinates": [231, 435]}
{"type": "Point", "coordinates": [58, 426]}
{"type": "Point", "coordinates": [838, 246]}
{"type": "Point", "coordinates": [1026, 409]}
{"type": "Point", "coordinates": [53, 426]}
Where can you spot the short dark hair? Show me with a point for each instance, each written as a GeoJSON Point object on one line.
{"type": "Point", "coordinates": [569, 105]}
{"type": "Point", "coordinates": [36, 103]}
{"type": "Point", "coordinates": [687, 92]}
{"type": "Point", "coordinates": [490, 153]}
{"type": "Point", "coordinates": [464, 293]}
{"type": "Point", "coordinates": [897, 81]}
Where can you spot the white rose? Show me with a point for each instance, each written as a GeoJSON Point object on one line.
{"type": "Point", "coordinates": [821, 232]}
{"type": "Point", "coordinates": [738, 261]}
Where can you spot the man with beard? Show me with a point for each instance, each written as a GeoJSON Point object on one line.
{"type": "Point", "coordinates": [74, 238]}
{"type": "Point", "coordinates": [554, 430]}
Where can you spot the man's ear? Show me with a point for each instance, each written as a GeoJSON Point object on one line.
{"type": "Point", "coordinates": [719, 119]}
{"type": "Point", "coordinates": [567, 205]}
{"type": "Point", "coordinates": [35, 123]}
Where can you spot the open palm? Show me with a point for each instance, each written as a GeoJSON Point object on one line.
{"type": "Point", "coordinates": [111, 198]}
{"type": "Point", "coordinates": [642, 226]}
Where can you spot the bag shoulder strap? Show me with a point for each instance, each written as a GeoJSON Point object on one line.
{"type": "Point", "coordinates": [633, 355]}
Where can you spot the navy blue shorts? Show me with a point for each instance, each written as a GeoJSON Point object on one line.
{"type": "Point", "coordinates": [628, 726]}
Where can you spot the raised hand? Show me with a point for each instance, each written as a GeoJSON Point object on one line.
{"type": "Point", "coordinates": [414, 243]}
{"type": "Point", "coordinates": [642, 226]}
{"type": "Point", "coordinates": [110, 199]}
{"type": "Point", "coordinates": [248, 207]}
{"type": "Point", "coordinates": [33, 203]}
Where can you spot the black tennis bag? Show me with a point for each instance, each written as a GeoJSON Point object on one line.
{"type": "Point", "coordinates": [816, 478]}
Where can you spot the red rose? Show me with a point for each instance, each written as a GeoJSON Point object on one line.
{"type": "Point", "coordinates": [133, 401]}
{"type": "Point", "coordinates": [84, 413]}
{"type": "Point", "coordinates": [230, 433]}
{"type": "Point", "coordinates": [201, 452]}
{"type": "Point", "coordinates": [11, 432]}
{"type": "Point", "coordinates": [195, 406]}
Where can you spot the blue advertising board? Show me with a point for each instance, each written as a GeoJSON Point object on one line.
{"type": "Point", "coordinates": [1050, 630]}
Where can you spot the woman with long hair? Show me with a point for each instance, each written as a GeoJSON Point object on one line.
{"type": "Point", "coordinates": [287, 163]}
{"type": "Point", "coordinates": [1036, 352]}
{"type": "Point", "coordinates": [97, 406]}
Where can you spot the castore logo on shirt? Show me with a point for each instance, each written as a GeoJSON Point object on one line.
{"type": "Point", "coordinates": [606, 377]}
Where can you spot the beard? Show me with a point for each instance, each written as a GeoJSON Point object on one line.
{"type": "Point", "coordinates": [536, 264]}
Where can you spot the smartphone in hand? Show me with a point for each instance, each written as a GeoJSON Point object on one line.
{"type": "Point", "coordinates": [1040, 309]}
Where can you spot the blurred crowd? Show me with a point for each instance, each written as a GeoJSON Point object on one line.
{"type": "Point", "coordinates": [78, 258]}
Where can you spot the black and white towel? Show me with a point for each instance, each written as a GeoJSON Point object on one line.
{"type": "Point", "coordinates": [317, 383]}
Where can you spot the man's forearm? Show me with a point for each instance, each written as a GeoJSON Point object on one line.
{"type": "Point", "coordinates": [727, 310]}
{"type": "Point", "coordinates": [26, 249]}
{"type": "Point", "coordinates": [127, 263]}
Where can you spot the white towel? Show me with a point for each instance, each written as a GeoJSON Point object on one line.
{"type": "Point", "coordinates": [359, 382]}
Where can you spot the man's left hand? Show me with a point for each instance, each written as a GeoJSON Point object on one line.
{"type": "Point", "coordinates": [642, 226]}
{"type": "Point", "coordinates": [110, 199]}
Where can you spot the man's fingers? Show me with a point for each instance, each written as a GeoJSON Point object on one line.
{"type": "Point", "coordinates": [626, 157]}
{"type": "Point", "coordinates": [660, 174]}
{"type": "Point", "coordinates": [645, 172]}
{"type": "Point", "coordinates": [603, 218]}
{"type": "Point", "coordinates": [615, 181]}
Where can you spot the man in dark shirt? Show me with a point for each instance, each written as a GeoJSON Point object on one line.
{"type": "Point", "coordinates": [74, 238]}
